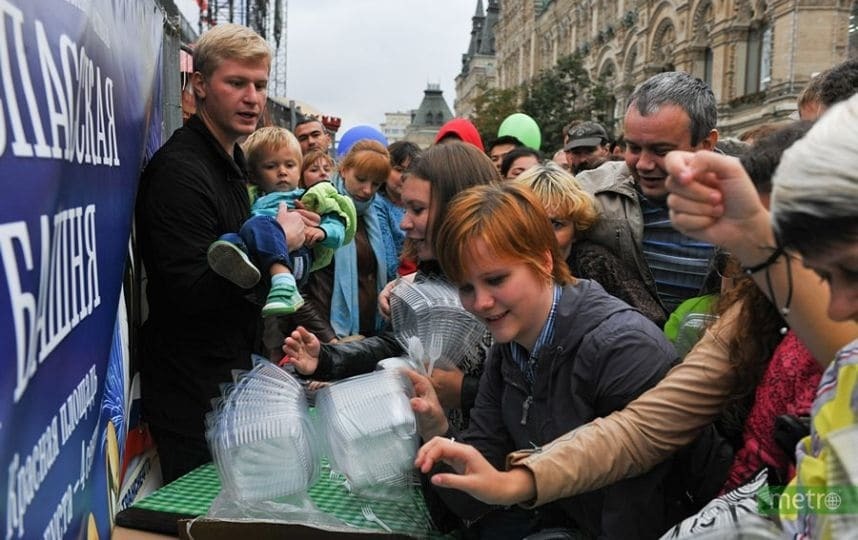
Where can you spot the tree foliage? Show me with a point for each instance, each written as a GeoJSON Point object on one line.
{"type": "Point", "coordinates": [603, 102]}
{"type": "Point", "coordinates": [491, 106]}
{"type": "Point", "coordinates": [553, 98]}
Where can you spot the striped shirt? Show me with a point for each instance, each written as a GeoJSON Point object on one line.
{"type": "Point", "coordinates": [525, 362]}
{"type": "Point", "coordinates": [679, 264]}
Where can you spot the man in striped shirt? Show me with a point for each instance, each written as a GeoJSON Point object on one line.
{"type": "Point", "coordinates": [669, 111]}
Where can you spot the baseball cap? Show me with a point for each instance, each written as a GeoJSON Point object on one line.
{"type": "Point", "coordinates": [586, 134]}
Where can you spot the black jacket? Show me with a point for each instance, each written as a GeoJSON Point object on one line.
{"type": "Point", "coordinates": [589, 260]}
{"type": "Point", "coordinates": [200, 326]}
{"type": "Point", "coordinates": [604, 354]}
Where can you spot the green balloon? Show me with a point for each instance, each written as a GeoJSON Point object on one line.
{"type": "Point", "coordinates": [523, 128]}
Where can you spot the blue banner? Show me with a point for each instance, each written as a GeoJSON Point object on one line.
{"type": "Point", "coordinates": [78, 80]}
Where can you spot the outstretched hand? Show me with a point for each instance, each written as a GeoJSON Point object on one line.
{"type": "Point", "coordinates": [431, 420]}
{"type": "Point", "coordinates": [302, 351]}
{"type": "Point", "coordinates": [713, 199]}
{"type": "Point", "coordinates": [384, 296]}
{"type": "Point", "coordinates": [474, 474]}
{"type": "Point", "coordinates": [384, 299]}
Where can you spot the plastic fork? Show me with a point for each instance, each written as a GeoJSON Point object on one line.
{"type": "Point", "coordinates": [370, 516]}
{"type": "Point", "coordinates": [435, 349]}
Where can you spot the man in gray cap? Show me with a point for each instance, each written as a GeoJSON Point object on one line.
{"type": "Point", "coordinates": [587, 146]}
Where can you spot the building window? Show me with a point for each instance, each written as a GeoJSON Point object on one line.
{"type": "Point", "coordinates": [853, 31]}
{"type": "Point", "coordinates": [758, 72]}
{"type": "Point", "coordinates": [663, 44]}
{"type": "Point", "coordinates": [707, 66]}
{"type": "Point", "coordinates": [607, 83]}
{"type": "Point", "coordinates": [704, 20]}
{"type": "Point", "coordinates": [766, 58]}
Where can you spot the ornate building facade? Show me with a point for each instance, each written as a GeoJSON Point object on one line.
{"type": "Point", "coordinates": [757, 55]}
{"type": "Point", "coordinates": [395, 125]}
{"type": "Point", "coordinates": [479, 70]}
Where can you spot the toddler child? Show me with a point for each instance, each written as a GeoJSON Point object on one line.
{"type": "Point", "coordinates": [274, 165]}
{"type": "Point", "coordinates": [318, 167]}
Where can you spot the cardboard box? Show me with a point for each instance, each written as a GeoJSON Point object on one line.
{"type": "Point", "coordinates": [216, 529]}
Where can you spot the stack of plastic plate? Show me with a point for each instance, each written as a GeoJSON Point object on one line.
{"type": "Point", "coordinates": [261, 436]}
{"type": "Point", "coordinates": [370, 432]}
{"type": "Point", "coordinates": [431, 324]}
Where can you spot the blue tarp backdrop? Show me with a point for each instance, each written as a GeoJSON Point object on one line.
{"type": "Point", "coordinates": [78, 84]}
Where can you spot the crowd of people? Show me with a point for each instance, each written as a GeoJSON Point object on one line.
{"type": "Point", "coordinates": [671, 315]}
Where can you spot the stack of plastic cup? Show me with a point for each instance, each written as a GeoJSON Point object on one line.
{"type": "Point", "coordinates": [370, 432]}
{"type": "Point", "coordinates": [261, 436]}
{"type": "Point", "coordinates": [430, 322]}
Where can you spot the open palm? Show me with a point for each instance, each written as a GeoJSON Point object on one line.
{"type": "Point", "coordinates": [302, 351]}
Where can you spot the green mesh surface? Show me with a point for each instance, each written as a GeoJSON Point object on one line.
{"type": "Point", "coordinates": [193, 494]}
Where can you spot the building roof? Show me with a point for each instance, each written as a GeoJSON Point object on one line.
{"type": "Point", "coordinates": [487, 43]}
{"type": "Point", "coordinates": [476, 29]}
{"type": "Point", "coordinates": [433, 110]}
{"type": "Point", "coordinates": [482, 33]}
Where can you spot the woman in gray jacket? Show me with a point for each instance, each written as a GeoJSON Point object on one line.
{"type": "Point", "coordinates": [565, 352]}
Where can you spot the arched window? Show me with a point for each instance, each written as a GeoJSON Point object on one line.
{"type": "Point", "coordinates": [629, 68]}
{"type": "Point", "coordinates": [704, 20]}
{"type": "Point", "coordinates": [628, 82]}
{"type": "Point", "coordinates": [608, 72]}
{"type": "Point", "coordinates": [758, 64]}
{"type": "Point", "coordinates": [707, 65]}
{"type": "Point", "coordinates": [853, 31]}
{"type": "Point", "coordinates": [662, 47]}
{"type": "Point", "coordinates": [608, 80]}
{"type": "Point", "coordinates": [758, 69]}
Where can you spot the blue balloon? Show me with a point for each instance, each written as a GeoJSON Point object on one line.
{"type": "Point", "coordinates": [358, 133]}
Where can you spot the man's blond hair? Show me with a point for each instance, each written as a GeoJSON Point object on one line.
{"type": "Point", "coordinates": [229, 41]}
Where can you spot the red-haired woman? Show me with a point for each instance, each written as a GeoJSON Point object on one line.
{"type": "Point", "coordinates": [565, 352]}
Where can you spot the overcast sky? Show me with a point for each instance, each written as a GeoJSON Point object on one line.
{"type": "Point", "coordinates": [358, 60]}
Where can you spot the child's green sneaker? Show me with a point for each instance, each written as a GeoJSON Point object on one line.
{"type": "Point", "coordinates": [228, 260]}
{"type": "Point", "coordinates": [283, 298]}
